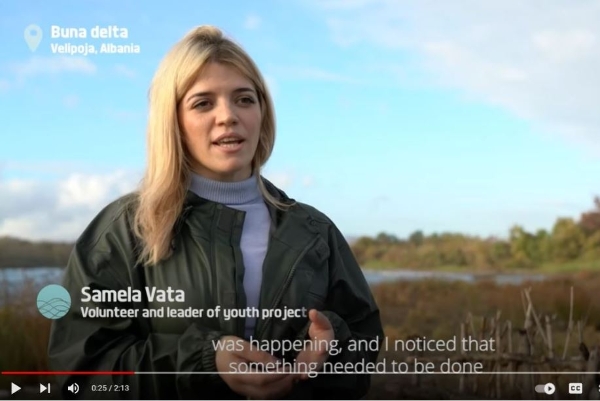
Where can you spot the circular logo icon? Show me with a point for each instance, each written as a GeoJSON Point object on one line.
{"type": "Point", "coordinates": [53, 301]}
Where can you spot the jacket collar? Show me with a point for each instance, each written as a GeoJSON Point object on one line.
{"type": "Point", "coordinates": [292, 226]}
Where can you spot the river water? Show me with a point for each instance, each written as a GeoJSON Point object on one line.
{"type": "Point", "coordinates": [49, 275]}
{"type": "Point", "coordinates": [380, 276]}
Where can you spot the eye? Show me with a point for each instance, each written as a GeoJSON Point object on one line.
{"type": "Point", "coordinates": [201, 104]}
{"type": "Point", "coordinates": [247, 100]}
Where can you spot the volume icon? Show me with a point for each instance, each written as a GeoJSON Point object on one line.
{"type": "Point", "coordinates": [74, 388]}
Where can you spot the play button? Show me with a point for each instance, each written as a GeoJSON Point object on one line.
{"type": "Point", "coordinates": [14, 388]}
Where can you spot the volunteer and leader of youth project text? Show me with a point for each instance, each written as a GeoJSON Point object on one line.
{"type": "Point", "coordinates": [204, 220]}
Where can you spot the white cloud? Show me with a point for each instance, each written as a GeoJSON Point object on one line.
{"type": "Point", "coordinates": [61, 209]}
{"type": "Point", "coordinates": [566, 46]}
{"type": "Point", "coordinates": [145, 19]}
{"type": "Point", "coordinates": [252, 22]}
{"type": "Point", "coordinates": [308, 181]}
{"type": "Point", "coordinates": [285, 180]}
{"type": "Point", "coordinates": [271, 85]}
{"type": "Point", "coordinates": [316, 74]}
{"type": "Point", "coordinates": [125, 71]}
{"type": "Point", "coordinates": [281, 180]}
{"type": "Point", "coordinates": [47, 167]}
{"type": "Point", "coordinates": [4, 85]}
{"type": "Point", "coordinates": [124, 115]}
{"type": "Point", "coordinates": [71, 101]}
{"type": "Point", "coordinates": [92, 191]}
{"type": "Point", "coordinates": [538, 59]}
{"type": "Point", "coordinates": [51, 66]}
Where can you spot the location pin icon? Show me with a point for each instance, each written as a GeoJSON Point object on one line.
{"type": "Point", "coordinates": [33, 36]}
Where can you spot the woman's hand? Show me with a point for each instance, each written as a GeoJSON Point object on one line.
{"type": "Point", "coordinates": [254, 385]}
{"type": "Point", "coordinates": [321, 334]}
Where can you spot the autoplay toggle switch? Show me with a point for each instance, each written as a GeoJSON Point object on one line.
{"type": "Point", "coordinates": [547, 388]}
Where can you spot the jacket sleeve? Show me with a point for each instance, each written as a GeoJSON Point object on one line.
{"type": "Point", "coordinates": [354, 315]}
{"type": "Point", "coordinates": [86, 344]}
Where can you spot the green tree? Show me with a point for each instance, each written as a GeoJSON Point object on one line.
{"type": "Point", "coordinates": [361, 247]}
{"type": "Point", "coordinates": [591, 248]}
{"type": "Point", "coordinates": [567, 240]}
{"type": "Point", "coordinates": [500, 253]}
{"type": "Point", "coordinates": [590, 221]}
{"type": "Point", "coordinates": [417, 238]}
{"type": "Point", "coordinates": [539, 247]}
{"type": "Point", "coordinates": [386, 239]}
{"type": "Point", "coordinates": [521, 247]}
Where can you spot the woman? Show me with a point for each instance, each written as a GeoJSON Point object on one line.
{"type": "Point", "coordinates": [205, 222]}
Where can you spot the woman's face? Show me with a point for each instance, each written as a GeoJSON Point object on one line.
{"type": "Point", "coordinates": [220, 117]}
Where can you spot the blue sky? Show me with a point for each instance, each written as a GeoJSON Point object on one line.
{"type": "Point", "coordinates": [392, 116]}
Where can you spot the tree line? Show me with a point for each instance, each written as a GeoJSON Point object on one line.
{"type": "Point", "coordinates": [16, 252]}
{"type": "Point", "coordinates": [569, 240]}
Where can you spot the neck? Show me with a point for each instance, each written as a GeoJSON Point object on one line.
{"type": "Point", "coordinates": [230, 193]}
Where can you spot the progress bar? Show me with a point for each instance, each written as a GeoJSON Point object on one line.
{"type": "Point", "coordinates": [59, 373]}
{"type": "Point", "coordinates": [129, 373]}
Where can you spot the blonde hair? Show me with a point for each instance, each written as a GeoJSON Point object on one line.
{"type": "Point", "coordinates": [162, 192]}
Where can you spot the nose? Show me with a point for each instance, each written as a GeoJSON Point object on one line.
{"type": "Point", "coordinates": [226, 114]}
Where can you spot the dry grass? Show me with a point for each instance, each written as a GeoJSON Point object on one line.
{"type": "Point", "coordinates": [23, 332]}
{"type": "Point", "coordinates": [436, 309]}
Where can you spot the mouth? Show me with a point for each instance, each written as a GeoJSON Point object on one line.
{"type": "Point", "coordinates": [228, 142]}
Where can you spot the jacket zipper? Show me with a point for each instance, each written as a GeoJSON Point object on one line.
{"type": "Point", "coordinates": [286, 284]}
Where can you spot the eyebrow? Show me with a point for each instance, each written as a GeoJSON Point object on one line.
{"type": "Point", "coordinates": [208, 93]}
